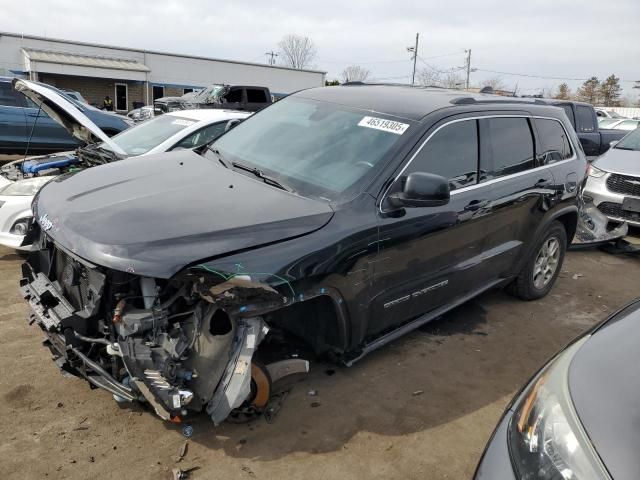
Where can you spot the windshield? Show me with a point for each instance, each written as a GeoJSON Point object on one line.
{"type": "Point", "coordinates": [145, 136]}
{"type": "Point", "coordinates": [212, 91]}
{"type": "Point", "coordinates": [630, 141]}
{"type": "Point", "coordinates": [318, 149]}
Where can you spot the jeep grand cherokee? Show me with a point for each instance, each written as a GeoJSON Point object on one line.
{"type": "Point", "coordinates": [342, 216]}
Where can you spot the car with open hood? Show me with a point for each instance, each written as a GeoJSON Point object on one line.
{"type": "Point", "coordinates": [341, 217]}
{"type": "Point", "coordinates": [26, 129]}
{"type": "Point", "coordinates": [21, 179]}
{"type": "Point", "coordinates": [577, 418]}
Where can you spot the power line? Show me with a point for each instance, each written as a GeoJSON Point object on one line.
{"type": "Point", "coordinates": [346, 62]}
{"type": "Point", "coordinates": [529, 75]}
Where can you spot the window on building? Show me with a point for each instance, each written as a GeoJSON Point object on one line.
{"type": "Point", "coordinates": [554, 144]}
{"type": "Point", "coordinates": [234, 95]}
{"type": "Point", "coordinates": [187, 90]}
{"type": "Point", "coordinates": [452, 153]}
{"type": "Point", "coordinates": [122, 100]}
{"type": "Point", "coordinates": [255, 95]}
{"type": "Point", "coordinates": [8, 96]}
{"type": "Point", "coordinates": [585, 120]}
{"type": "Point", "coordinates": [157, 92]}
{"type": "Point", "coordinates": [509, 147]}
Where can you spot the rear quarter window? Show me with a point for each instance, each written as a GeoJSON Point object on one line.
{"type": "Point", "coordinates": [585, 119]}
{"type": "Point", "coordinates": [553, 142]}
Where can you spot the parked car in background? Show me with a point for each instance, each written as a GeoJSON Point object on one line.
{"type": "Point", "coordinates": [345, 216]}
{"type": "Point", "coordinates": [236, 97]}
{"type": "Point", "coordinates": [627, 124]}
{"type": "Point", "coordinates": [614, 181]}
{"type": "Point", "coordinates": [141, 114]}
{"type": "Point", "coordinates": [21, 179]}
{"type": "Point", "coordinates": [75, 95]}
{"type": "Point", "coordinates": [604, 113]}
{"type": "Point", "coordinates": [595, 141]}
{"type": "Point", "coordinates": [23, 124]}
{"type": "Point", "coordinates": [578, 417]}
{"type": "Point", "coordinates": [605, 122]}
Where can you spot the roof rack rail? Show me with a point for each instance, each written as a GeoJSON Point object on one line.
{"type": "Point", "coordinates": [472, 100]}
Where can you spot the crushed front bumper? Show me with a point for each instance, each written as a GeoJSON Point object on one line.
{"type": "Point", "coordinates": [608, 202]}
{"type": "Point", "coordinates": [593, 227]}
{"type": "Point", "coordinates": [60, 324]}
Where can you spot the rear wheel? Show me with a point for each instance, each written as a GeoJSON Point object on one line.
{"type": "Point", "coordinates": [540, 272]}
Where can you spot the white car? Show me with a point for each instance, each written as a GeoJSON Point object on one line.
{"type": "Point", "coordinates": [20, 180]}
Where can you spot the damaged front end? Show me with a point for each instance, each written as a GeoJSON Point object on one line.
{"type": "Point", "coordinates": [594, 228]}
{"type": "Point", "coordinates": [182, 345]}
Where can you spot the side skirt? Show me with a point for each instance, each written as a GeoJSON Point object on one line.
{"type": "Point", "coordinates": [418, 322]}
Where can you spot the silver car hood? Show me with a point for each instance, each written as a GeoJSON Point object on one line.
{"type": "Point", "coordinates": [65, 113]}
{"type": "Point", "coordinates": [616, 160]}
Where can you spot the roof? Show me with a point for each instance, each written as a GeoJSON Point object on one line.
{"type": "Point", "coordinates": [403, 101]}
{"type": "Point", "coordinates": [208, 114]}
{"type": "Point", "coordinates": [65, 58]}
{"type": "Point", "coordinates": [156, 52]}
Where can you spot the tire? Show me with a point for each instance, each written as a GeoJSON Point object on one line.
{"type": "Point", "coordinates": [546, 265]}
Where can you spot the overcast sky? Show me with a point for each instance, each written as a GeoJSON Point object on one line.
{"type": "Point", "coordinates": [547, 38]}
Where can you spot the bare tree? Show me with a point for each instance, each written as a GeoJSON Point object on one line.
{"type": "Point", "coordinates": [355, 73]}
{"type": "Point", "coordinates": [297, 51]}
{"type": "Point", "coordinates": [428, 77]}
{"type": "Point", "coordinates": [435, 78]}
{"type": "Point", "coordinates": [563, 93]}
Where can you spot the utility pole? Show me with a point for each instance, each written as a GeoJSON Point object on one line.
{"type": "Point", "coordinates": [468, 67]}
{"type": "Point", "coordinates": [415, 57]}
{"type": "Point", "coordinates": [272, 54]}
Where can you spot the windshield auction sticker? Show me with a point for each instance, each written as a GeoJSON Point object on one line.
{"type": "Point", "coordinates": [384, 125]}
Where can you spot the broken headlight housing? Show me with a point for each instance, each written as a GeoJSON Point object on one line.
{"type": "Point", "coordinates": [25, 188]}
{"type": "Point", "coordinates": [546, 439]}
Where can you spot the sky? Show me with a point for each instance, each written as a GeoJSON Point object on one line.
{"type": "Point", "coordinates": [544, 38]}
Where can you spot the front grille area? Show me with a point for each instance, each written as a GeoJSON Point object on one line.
{"type": "Point", "coordinates": [73, 279]}
{"type": "Point", "coordinates": [615, 210]}
{"type": "Point", "coordinates": [624, 184]}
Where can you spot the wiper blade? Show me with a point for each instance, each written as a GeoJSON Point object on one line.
{"type": "Point", "coordinates": [624, 148]}
{"type": "Point", "coordinates": [219, 155]}
{"type": "Point", "coordinates": [260, 174]}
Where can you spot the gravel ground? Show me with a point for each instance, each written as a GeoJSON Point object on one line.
{"type": "Point", "coordinates": [422, 407]}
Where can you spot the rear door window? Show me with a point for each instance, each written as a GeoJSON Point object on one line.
{"type": "Point", "coordinates": [507, 147]}
{"type": "Point", "coordinates": [586, 122]}
{"type": "Point", "coordinates": [554, 144]}
{"type": "Point", "coordinates": [9, 97]}
{"type": "Point", "coordinates": [452, 152]}
{"type": "Point", "coordinates": [234, 95]}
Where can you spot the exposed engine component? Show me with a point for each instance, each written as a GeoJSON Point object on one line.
{"type": "Point", "coordinates": [180, 346]}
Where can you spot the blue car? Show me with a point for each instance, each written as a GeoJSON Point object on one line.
{"type": "Point", "coordinates": [18, 115]}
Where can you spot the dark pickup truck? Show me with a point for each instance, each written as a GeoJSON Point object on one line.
{"type": "Point", "coordinates": [230, 97]}
{"type": "Point", "coordinates": [583, 117]}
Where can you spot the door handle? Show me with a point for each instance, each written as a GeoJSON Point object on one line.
{"type": "Point", "coordinates": [476, 205]}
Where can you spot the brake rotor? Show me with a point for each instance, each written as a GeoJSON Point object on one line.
{"type": "Point", "coordinates": [258, 399]}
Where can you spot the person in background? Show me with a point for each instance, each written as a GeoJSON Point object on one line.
{"type": "Point", "coordinates": [107, 104]}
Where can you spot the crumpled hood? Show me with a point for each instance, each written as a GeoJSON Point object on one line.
{"type": "Point", "coordinates": [616, 160]}
{"type": "Point", "coordinates": [65, 113]}
{"type": "Point", "coordinates": [159, 213]}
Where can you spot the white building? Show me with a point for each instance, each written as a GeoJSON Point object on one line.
{"type": "Point", "coordinates": [131, 75]}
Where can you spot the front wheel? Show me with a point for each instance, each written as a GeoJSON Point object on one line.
{"type": "Point", "coordinates": [540, 272]}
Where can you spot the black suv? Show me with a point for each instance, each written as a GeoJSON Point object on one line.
{"type": "Point", "coordinates": [342, 216]}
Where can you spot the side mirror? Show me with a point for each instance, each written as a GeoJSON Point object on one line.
{"type": "Point", "coordinates": [422, 190]}
{"type": "Point", "coordinates": [614, 143]}
{"type": "Point", "coordinates": [232, 123]}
